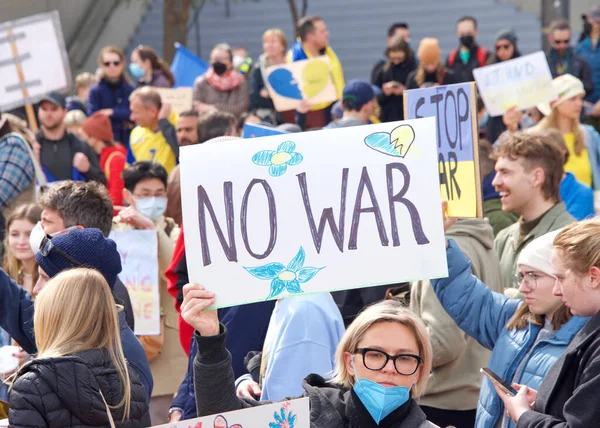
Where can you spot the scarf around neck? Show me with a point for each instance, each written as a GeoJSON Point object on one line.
{"type": "Point", "coordinates": [227, 82]}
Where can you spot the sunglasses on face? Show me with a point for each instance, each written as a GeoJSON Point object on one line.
{"type": "Point", "coordinates": [47, 246]}
{"type": "Point", "coordinates": [114, 63]}
{"type": "Point", "coordinates": [502, 47]}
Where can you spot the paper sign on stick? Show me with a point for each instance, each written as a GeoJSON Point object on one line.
{"type": "Point", "coordinates": [139, 255]}
{"type": "Point", "coordinates": [308, 79]}
{"type": "Point", "coordinates": [312, 212]}
{"type": "Point", "coordinates": [180, 99]}
{"type": "Point", "coordinates": [522, 82]}
{"type": "Point", "coordinates": [284, 414]}
{"type": "Point", "coordinates": [33, 60]}
{"type": "Point", "coordinates": [453, 106]}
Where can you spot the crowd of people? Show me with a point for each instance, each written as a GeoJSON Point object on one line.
{"type": "Point", "coordinates": [521, 297]}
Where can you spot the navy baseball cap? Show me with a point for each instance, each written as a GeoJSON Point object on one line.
{"type": "Point", "coordinates": [359, 92]}
{"type": "Point", "coordinates": [55, 98]}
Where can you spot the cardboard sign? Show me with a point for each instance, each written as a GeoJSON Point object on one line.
{"type": "Point", "coordinates": [454, 108]}
{"type": "Point", "coordinates": [522, 82]}
{"type": "Point", "coordinates": [33, 60]}
{"type": "Point", "coordinates": [253, 130]}
{"type": "Point", "coordinates": [308, 79]}
{"type": "Point", "coordinates": [139, 255]}
{"type": "Point", "coordinates": [284, 414]}
{"type": "Point", "coordinates": [180, 99]}
{"type": "Point", "coordinates": [314, 211]}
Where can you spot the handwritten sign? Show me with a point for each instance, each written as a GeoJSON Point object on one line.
{"type": "Point", "coordinates": [253, 130]}
{"type": "Point", "coordinates": [308, 79]}
{"type": "Point", "coordinates": [33, 60]}
{"type": "Point", "coordinates": [458, 152]}
{"type": "Point", "coordinates": [522, 82]}
{"type": "Point", "coordinates": [290, 414]}
{"type": "Point", "coordinates": [180, 99]}
{"type": "Point", "coordinates": [139, 252]}
{"type": "Point", "coordinates": [314, 211]}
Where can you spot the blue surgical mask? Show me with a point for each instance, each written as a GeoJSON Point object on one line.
{"type": "Point", "coordinates": [484, 120]}
{"type": "Point", "coordinates": [152, 207]}
{"type": "Point", "coordinates": [136, 71]}
{"type": "Point", "coordinates": [377, 399]}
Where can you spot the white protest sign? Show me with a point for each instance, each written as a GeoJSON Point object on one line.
{"type": "Point", "coordinates": [284, 414]}
{"type": "Point", "coordinates": [312, 212]}
{"type": "Point", "coordinates": [139, 258]}
{"type": "Point", "coordinates": [180, 99]}
{"type": "Point", "coordinates": [522, 82]}
{"type": "Point", "coordinates": [33, 60]}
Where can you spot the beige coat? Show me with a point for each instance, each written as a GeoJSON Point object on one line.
{"type": "Point", "coordinates": [235, 101]}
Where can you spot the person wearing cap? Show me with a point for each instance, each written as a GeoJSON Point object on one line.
{"type": "Point", "coordinates": [76, 248]}
{"type": "Point", "coordinates": [430, 71]}
{"type": "Point", "coordinates": [589, 51]}
{"type": "Point", "coordinates": [526, 336]}
{"type": "Point", "coordinates": [63, 156]}
{"type": "Point", "coordinates": [358, 104]}
{"type": "Point", "coordinates": [98, 133]}
{"type": "Point", "coordinates": [583, 141]}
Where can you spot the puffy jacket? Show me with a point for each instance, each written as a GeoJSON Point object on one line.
{"type": "Point", "coordinates": [115, 96]}
{"type": "Point", "coordinates": [64, 391]}
{"type": "Point", "coordinates": [590, 54]}
{"type": "Point", "coordinates": [483, 315]}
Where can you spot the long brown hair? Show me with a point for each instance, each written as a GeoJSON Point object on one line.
{"type": "Point", "coordinates": [117, 51]}
{"type": "Point", "coordinates": [397, 44]}
{"type": "Point", "coordinates": [523, 316]}
{"type": "Point", "coordinates": [147, 53]}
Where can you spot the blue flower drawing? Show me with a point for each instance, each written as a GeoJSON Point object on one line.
{"type": "Point", "coordinates": [282, 420]}
{"type": "Point", "coordinates": [278, 161]}
{"type": "Point", "coordinates": [282, 277]}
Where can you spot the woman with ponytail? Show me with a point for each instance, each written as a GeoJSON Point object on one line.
{"type": "Point", "coordinates": [150, 70]}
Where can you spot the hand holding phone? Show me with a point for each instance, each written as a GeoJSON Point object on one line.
{"type": "Point", "coordinates": [502, 384]}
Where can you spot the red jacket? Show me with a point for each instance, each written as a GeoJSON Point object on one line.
{"type": "Point", "coordinates": [112, 162]}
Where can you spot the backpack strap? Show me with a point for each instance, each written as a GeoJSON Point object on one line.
{"type": "Point", "coordinates": [482, 53]}
{"type": "Point", "coordinates": [452, 57]}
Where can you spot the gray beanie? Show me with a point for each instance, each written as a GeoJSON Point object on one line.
{"type": "Point", "coordinates": [508, 34]}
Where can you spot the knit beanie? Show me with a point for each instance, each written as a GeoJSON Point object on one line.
{"type": "Point", "coordinates": [538, 254]}
{"type": "Point", "coordinates": [86, 246]}
{"type": "Point", "coordinates": [566, 87]}
{"type": "Point", "coordinates": [98, 126]}
{"type": "Point", "coordinates": [508, 34]}
{"type": "Point", "coordinates": [429, 51]}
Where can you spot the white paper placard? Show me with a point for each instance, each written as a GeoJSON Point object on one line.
{"type": "Point", "coordinates": [312, 212]}
{"type": "Point", "coordinates": [139, 258]}
{"type": "Point", "coordinates": [522, 82]}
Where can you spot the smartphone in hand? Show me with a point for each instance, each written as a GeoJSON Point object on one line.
{"type": "Point", "coordinates": [502, 384]}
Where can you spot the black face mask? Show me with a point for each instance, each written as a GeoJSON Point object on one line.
{"type": "Point", "coordinates": [467, 41]}
{"type": "Point", "coordinates": [219, 68]}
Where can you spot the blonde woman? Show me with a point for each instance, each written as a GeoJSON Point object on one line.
{"type": "Point", "coordinates": [382, 366]}
{"type": "Point", "coordinates": [430, 71]}
{"type": "Point", "coordinates": [80, 376]}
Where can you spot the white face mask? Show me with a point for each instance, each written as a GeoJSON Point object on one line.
{"type": "Point", "coordinates": [152, 207]}
{"type": "Point", "coordinates": [36, 237]}
{"type": "Point", "coordinates": [238, 60]}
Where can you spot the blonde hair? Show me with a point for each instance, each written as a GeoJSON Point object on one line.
{"type": "Point", "coordinates": [386, 311]}
{"type": "Point", "coordinates": [523, 316]}
{"type": "Point", "coordinates": [85, 80]}
{"type": "Point", "coordinates": [579, 244]}
{"type": "Point", "coordinates": [11, 265]}
{"type": "Point", "coordinates": [550, 122]}
{"type": "Point", "coordinates": [277, 33]}
{"type": "Point", "coordinates": [74, 118]}
{"type": "Point", "coordinates": [63, 325]}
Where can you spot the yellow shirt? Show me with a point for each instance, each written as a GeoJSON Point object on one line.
{"type": "Point", "coordinates": [580, 164]}
{"type": "Point", "coordinates": [149, 145]}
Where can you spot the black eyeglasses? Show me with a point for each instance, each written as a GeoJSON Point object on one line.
{"type": "Point", "coordinates": [115, 63]}
{"type": "Point", "coordinates": [374, 359]}
{"type": "Point", "coordinates": [47, 245]}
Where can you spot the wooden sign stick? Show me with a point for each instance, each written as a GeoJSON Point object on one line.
{"type": "Point", "coordinates": [28, 107]}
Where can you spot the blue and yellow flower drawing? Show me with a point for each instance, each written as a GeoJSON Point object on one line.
{"type": "Point", "coordinates": [282, 277]}
{"type": "Point", "coordinates": [282, 420]}
{"type": "Point", "coordinates": [278, 160]}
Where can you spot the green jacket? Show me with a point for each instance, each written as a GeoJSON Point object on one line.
{"type": "Point", "coordinates": [499, 220]}
{"type": "Point", "coordinates": [506, 241]}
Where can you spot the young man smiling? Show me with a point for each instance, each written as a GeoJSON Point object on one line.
{"type": "Point", "coordinates": [529, 169]}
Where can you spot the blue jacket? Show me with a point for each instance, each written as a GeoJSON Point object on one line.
{"type": "Point", "coordinates": [592, 143]}
{"type": "Point", "coordinates": [16, 318]}
{"type": "Point", "coordinates": [592, 56]}
{"type": "Point", "coordinates": [578, 197]}
{"type": "Point", "coordinates": [483, 314]}
{"type": "Point", "coordinates": [106, 95]}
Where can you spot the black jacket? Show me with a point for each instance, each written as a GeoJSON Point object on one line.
{"type": "Point", "coordinates": [568, 396]}
{"type": "Point", "coordinates": [464, 72]}
{"type": "Point", "coordinates": [448, 78]}
{"type": "Point", "coordinates": [122, 298]}
{"type": "Point", "coordinates": [331, 406]}
{"type": "Point", "coordinates": [64, 392]}
{"type": "Point", "coordinates": [578, 67]}
{"type": "Point", "coordinates": [392, 107]}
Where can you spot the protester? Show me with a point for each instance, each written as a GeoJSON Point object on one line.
{"type": "Point", "coordinates": [241, 61]}
{"type": "Point", "coordinates": [73, 204]}
{"type": "Point", "coordinates": [145, 193]}
{"type": "Point", "coordinates": [567, 396]}
{"type": "Point", "coordinates": [430, 71]}
{"type": "Point", "coordinates": [154, 138]}
{"type": "Point", "coordinates": [274, 47]}
{"type": "Point", "coordinates": [391, 77]}
{"type": "Point", "coordinates": [73, 120]}
{"type": "Point", "coordinates": [588, 50]}
{"type": "Point", "coordinates": [303, 335]}
{"type": "Point", "coordinates": [313, 42]}
{"type": "Point", "coordinates": [98, 134]}
{"type": "Point", "coordinates": [452, 393]}
{"type": "Point", "coordinates": [506, 47]}
{"type": "Point", "coordinates": [469, 55]}
{"type": "Point", "coordinates": [358, 99]}
{"type": "Point", "coordinates": [150, 70]}
{"type": "Point", "coordinates": [221, 87]}
{"type": "Point", "coordinates": [80, 376]}
{"type": "Point", "coordinates": [63, 156]}
{"type": "Point", "coordinates": [398, 30]}
{"type": "Point", "coordinates": [529, 169]}
{"type": "Point", "coordinates": [525, 337]}
{"type": "Point", "coordinates": [111, 95]}
{"type": "Point", "coordinates": [562, 58]}
{"type": "Point", "coordinates": [83, 83]}
{"type": "Point", "coordinates": [362, 365]}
